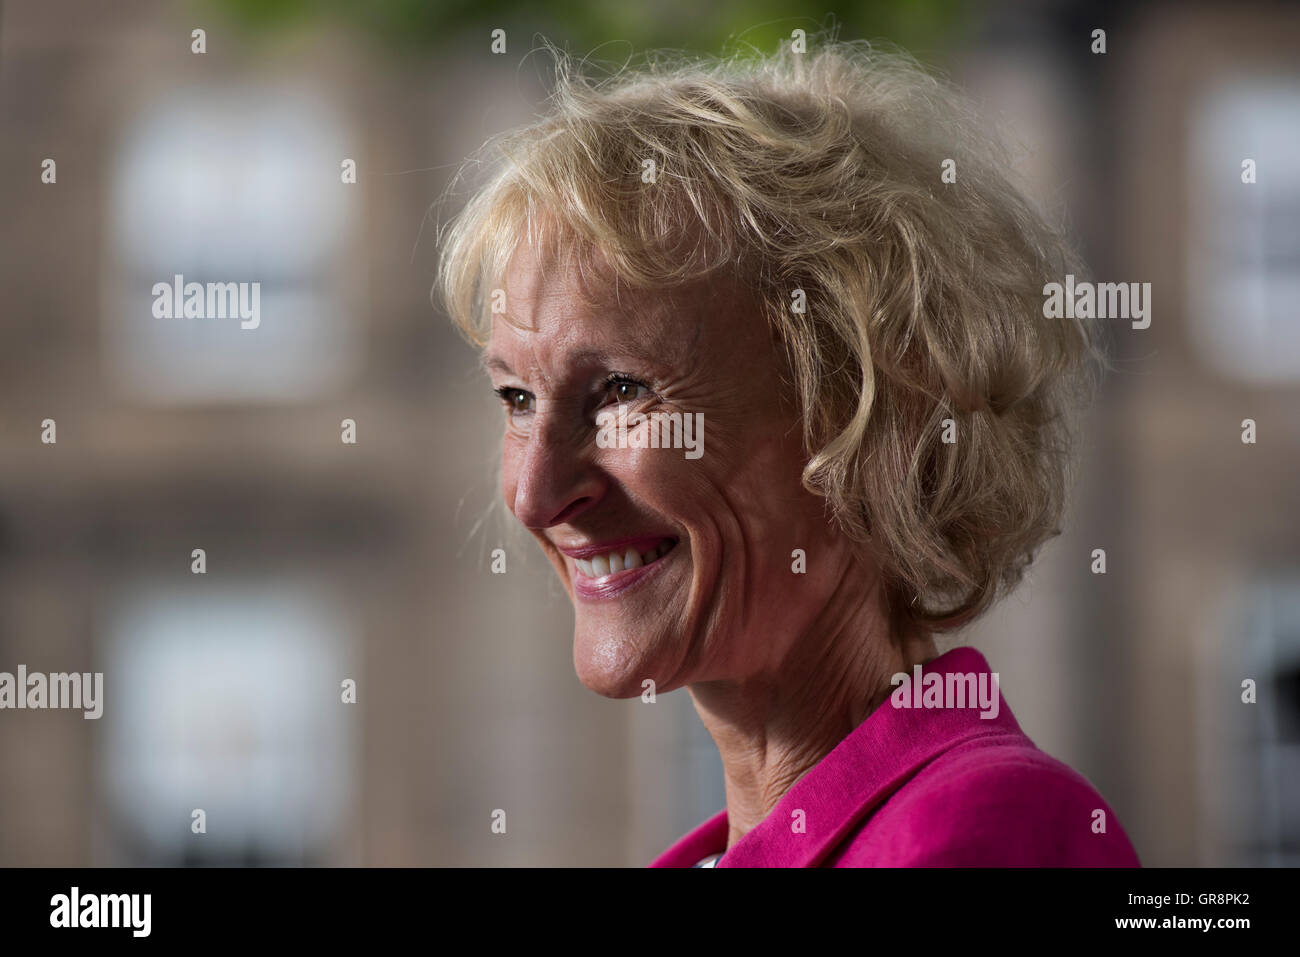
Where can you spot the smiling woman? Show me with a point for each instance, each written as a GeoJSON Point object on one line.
{"type": "Point", "coordinates": [767, 244]}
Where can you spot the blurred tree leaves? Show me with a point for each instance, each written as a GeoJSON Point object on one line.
{"type": "Point", "coordinates": [924, 27]}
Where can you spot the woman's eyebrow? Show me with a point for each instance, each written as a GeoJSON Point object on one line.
{"type": "Point", "coordinates": [495, 363]}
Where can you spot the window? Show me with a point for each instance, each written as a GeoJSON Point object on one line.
{"type": "Point", "coordinates": [1244, 257]}
{"type": "Point", "coordinates": [227, 699]}
{"type": "Point", "coordinates": [242, 186]}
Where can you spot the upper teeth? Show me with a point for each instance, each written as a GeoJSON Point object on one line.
{"type": "Point", "coordinates": [598, 566]}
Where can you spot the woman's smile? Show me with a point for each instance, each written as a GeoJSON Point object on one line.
{"type": "Point", "coordinates": [601, 571]}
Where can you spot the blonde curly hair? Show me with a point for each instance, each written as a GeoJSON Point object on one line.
{"type": "Point", "coordinates": [821, 172]}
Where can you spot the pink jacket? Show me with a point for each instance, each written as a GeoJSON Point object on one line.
{"type": "Point", "coordinates": [927, 787]}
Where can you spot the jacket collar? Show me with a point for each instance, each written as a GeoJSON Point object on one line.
{"type": "Point", "coordinates": [859, 774]}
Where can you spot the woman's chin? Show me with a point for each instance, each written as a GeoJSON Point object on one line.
{"type": "Point", "coordinates": [612, 666]}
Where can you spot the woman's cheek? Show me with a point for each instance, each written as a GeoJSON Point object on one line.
{"type": "Point", "coordinates": [641, 469]}
{"type": "Point", "coordinates": [511, 454]}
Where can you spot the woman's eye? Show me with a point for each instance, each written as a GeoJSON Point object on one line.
{"type": "Point", "coordinates": [626, 390]}
{"type": "Point", "coordinates": [516, 401]}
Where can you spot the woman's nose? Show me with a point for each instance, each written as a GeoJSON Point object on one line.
{"type": "Point", "coordinates": [556, 479]}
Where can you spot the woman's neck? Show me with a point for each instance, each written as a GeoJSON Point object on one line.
{"type": "Point", "coordinates": [772, 728]}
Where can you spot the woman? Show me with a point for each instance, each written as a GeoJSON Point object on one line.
{"type": "Point", "coordinates": [816, 260]}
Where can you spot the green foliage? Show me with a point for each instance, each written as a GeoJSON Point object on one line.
{"type": "Point", "coordinates": [610, 29]}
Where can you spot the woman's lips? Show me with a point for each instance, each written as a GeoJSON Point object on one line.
{"type": "Point", "coordinates": [601, 571]}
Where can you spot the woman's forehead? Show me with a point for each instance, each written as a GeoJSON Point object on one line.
{"type": "Point", "coordinates": [562, 270]}
{"type": "Point", "coordinates": [581, 336]}
{"type": "Point", "coordinates": [662, 330]}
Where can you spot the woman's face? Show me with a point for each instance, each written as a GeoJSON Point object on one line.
{"type": "Point", "coordinates": [678, 561]}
